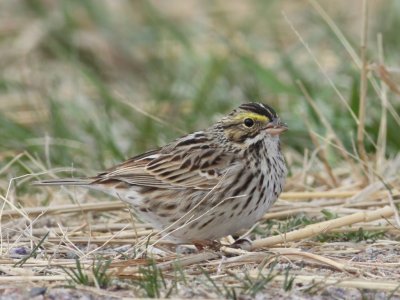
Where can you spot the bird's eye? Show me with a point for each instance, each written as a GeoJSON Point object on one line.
{"type": "Point", "coordinates": [248, 122]}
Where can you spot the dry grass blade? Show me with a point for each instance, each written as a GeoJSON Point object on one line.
{"type": "Point", "coordinates": [383, 72]}
{"type": "Point", "coordinates": [64, 209]}
{"type": "Point", "coordinates": [128, 268]}
{"type": "Point", "coordinates": [383, 285]}
{"type": "Point", "coordinates": [382, 137]}
{"type": "Point", "coordinates": [315, 258]}
{"type": "Point", "coordinates": [242, 256]}
{"type": "Point", "coordinates": [329, 128]}
{"type": "Point", "coordinates": [27, 279]}
{"type": "Point", "coordinates": [357, 60]}
{"type": "Point", "coordinates": [322, 156]}
{"type": "Point", "coordinates": [300, 196]}
{"type": "Point", "coordinates": [394, 208]}
{"type": "Point", "coordinates": [363, 85]}
{"type": "Point", "coordinates": [151, 116]}
{"type": "Point", "coordinates": [315, 229]}
{"type": "Point", "coordinates": [322, 70]}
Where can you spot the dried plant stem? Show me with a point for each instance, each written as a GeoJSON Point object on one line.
{"type": "Point", "coordinates": [332, 84]}
{"type": "Point", "coordinates": [370, 203]}
{"type": "Point", "coordinates": [329, 128]}
{"type": "Point", "coordinates": [282, 214]}
{"type": "Point", "coordinates": [63, 209]}
{"type": "Point", "coordinates": [353, 55]}
{"type": "Point", "coordinates": [322, 156]}
{"type": "Point", "coordinates": [300, 196]}
{"type": "Point", "coordinates": [385, 76]}
{"type": "Point", "coordinates": [350, 283]}
{"type": "Point", "coordinates": [393, 206]}
{"type": "Point", "coordinates": [26, 279]}
{"type": "Point", "coordinates": [364, 227]}
{"type": "Point", "coordinates": [123, 99]}
{"type": "Point", "coordinates": [315, 229]}
{"type": "Point", "coordinates": [381, 143]}
{"type": "Point", "coordinates": [363, 85]}
{"type": "Point", "coordinates": [117, 205]}
{"type": "Point", "coordinates": [129, 267]}
{"type": "Point", "coordinates": [257, 257]}
{"type": "Point", "coordinates": [297, 253]}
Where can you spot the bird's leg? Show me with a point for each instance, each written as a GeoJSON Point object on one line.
{"type": "Point", "coordinates": [206, 245]}
{"type": "Point", "coordinates": [185, 249]}
{"type": "Point", "coordinates": [244, 244]}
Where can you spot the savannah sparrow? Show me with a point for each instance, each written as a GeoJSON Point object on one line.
{"type": "Point", "coordinates": [207, 184]}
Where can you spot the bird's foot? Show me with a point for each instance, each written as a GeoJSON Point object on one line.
{"type": "Point", "coordinates": [243, 244]}
{"type": "Point", "coordinates": [185, 249]}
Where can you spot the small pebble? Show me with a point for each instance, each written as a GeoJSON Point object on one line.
{"type": "Point", "coordinates": [18, 252]}
{"type": "Point", "coordinates": [36, 291]}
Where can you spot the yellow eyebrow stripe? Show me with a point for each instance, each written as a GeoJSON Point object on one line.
{"type": "Point", "coordinates": [254, 116]}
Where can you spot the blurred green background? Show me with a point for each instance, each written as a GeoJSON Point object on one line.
{"type": "Point", "coordinates": [88, 83]}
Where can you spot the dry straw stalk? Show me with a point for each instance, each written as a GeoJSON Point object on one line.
{"type": "Point", "coordinates": [315, 229]}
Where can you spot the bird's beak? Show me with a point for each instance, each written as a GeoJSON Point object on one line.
{"type": "Point", "coordinates": [276, 127]}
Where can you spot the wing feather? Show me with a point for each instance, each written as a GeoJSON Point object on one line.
{"type": "Point", "coordinates": [180, 167]}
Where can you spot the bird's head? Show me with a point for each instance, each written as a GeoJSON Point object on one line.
{"type": "Point", "coordinates": [252, 122]}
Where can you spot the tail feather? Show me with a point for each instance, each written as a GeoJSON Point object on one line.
{"type": "Point", "coordinates": [64, 181]}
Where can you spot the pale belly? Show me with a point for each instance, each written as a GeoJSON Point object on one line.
{"type": "Point", "coordinates": [203, 215]}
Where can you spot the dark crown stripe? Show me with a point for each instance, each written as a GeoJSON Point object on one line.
{"type": "Point", "coordinates": [260, 108]}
